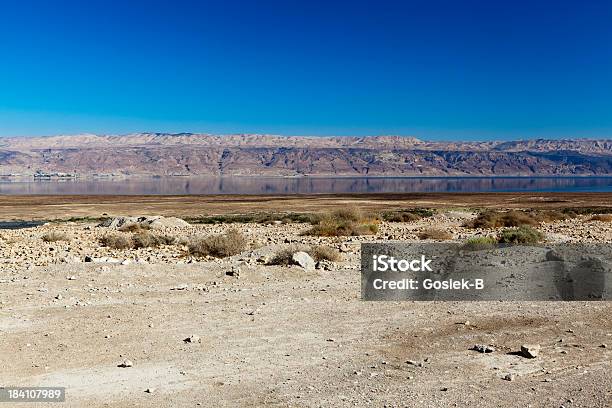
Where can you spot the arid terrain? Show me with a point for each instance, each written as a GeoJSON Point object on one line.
{"type": "Point", "coordinates": [241, 330]}
{"type": "Point", "coordinates": [187, 154]}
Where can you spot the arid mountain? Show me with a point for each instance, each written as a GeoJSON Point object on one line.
{"type": "Point", "coordinates": [201, 154]}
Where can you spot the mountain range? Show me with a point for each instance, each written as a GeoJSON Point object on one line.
{"type": "Point", "coordinates": [187, 154]}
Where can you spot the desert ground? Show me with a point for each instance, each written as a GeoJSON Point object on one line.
{"type": "Point", "coordinates": [239, 331]}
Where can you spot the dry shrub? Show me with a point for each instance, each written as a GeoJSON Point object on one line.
{"type": "Point", "coordinates": [134, 227]}
{"type": "Point", "coordinates": [344, 222]}
{"type": "Point", "coordinates": [521, 235]}
{"type": "Point", "coordinates": [407, 215]}
{"type": "Point", "coordinates": [117, 241]}
{"type": "Point", "coordinates": [149, 240]}
{"type": "Point", "coordinates": [437, 234]}
{"type": "Point", "coordinates": [55, 236]}
{"type": "Point", "coordinates": [324, 253]}
{"type": "Point", "coordinates": [219, 246]}
{"type": "Point", "coordinates": [318, 253]}
{"type": "Point", "coordinates": [601, 217]}
{"type": "Point", "coordinates": [285, 255]}
{"type": "Point", "coordinates": [497, 219]}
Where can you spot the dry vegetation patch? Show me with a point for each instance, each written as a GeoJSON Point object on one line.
{"type": "Point", "coordinates": [520, 235]}
{"type": "Point", "coordinates": [434, 233]}
{"type": "Point", "coordinates": [601, 217]}
{"type": "Point", "coordinates": [219, 246]}
{"type": "Point", "coordinates": [55, 236]}
{"type": "Point", "coordinates": [317, 252]}
{"type": "Point", "coordinates": [344, 222]}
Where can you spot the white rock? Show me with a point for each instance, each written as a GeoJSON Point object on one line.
{"type": "Point", "coordinates": [304, 260]}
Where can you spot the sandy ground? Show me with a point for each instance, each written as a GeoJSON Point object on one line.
{"type": "Point", "coordinates": [58, 207]}
{"type": "Point", "coordinates": [283, 336]}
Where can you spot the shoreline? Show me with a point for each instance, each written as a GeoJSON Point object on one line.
{"type": "Point", "coordinates": [45, 207]}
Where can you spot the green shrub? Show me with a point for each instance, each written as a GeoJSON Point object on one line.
{"type": "Point", "coordinates": [521, 235]}
{"type": "Point", "coordinates": [479, 243]}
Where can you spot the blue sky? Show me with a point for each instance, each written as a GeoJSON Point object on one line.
{"type": "Point", "coordinates": [433, 69]}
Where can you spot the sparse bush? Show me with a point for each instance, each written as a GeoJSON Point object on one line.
{"type": "Point", "coordinates": [497, 219]}
{"type": "Point", "coordinates": [117, 241]}
{"type": "Point", "coordinates": [134, 227]}
{"type": "Point", "coordinates": [345, 222]}
{"type": "Point", "coordinates": [407, 215]}
{"type": "Point", "coordinates": [219, 246]}
{"type": "Point", "coordinates": [479, 243]}
{"type": "Point", "coordinates": [437, 234]}
{"type": "Point", "coordinates": [147, 240]}
{"type": "Point", "coordinates": [55, 236]}
{"type": "Point", "coordinates": [284, 256]}
{"type": "Point", "coordinates": [324, 253]}
{"type": "Point", "coordinates": [318, 253]}
{"type": "Point", "coordinates": [601, 217]}
{"type": "Point", "coordinates": [521, 235]}
{"type": "Point", "coordinates": [259, 218]}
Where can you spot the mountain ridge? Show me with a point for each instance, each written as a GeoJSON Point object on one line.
{"type": "Point", "coordinates": [162, 154]}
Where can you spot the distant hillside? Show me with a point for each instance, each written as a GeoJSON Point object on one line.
{"type": "Point", "coordinates": [200, 154]}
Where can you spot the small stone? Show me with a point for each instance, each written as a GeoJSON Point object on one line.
{"type": "Point", "coordinates": [59, 297]}
{"type": "Point", "coordinates": [71, 277]}
{"type": "Point", "coordinates": [604, 346]}
{"type": "Point", "coordinates": [482, 348]}
{"type": "Point", "coordinates": [530, 350]}
{"type": "Point", "coordinates": [193, 339]}
{"type": "Point", "coordinates": [126, 363]}
{"type": "Point", "coordinates": [126, 262]}
{"type": "Point", "coordinates": [235, 271]}
{"type": "Point", "coordinates": [509, 377]}
{"type": "Point", "coordinates": [88, 259]}
{"type": "Point", "coordinates": [150, 390]}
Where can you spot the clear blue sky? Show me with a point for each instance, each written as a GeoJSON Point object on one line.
{"type": "Point", "coordinates": [433, 69]}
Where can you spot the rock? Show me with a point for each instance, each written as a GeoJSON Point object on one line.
{"type": "Point", "coordinates": [304, 260]}
{"type": "Point", "coordinates": [126, 262]}
{"type": "Point", "coordinates": [150, 390]}
{"type": "Point", "coordinates": [153, 222]}
{"type": "Point", "coordinates": [530, 350]}
{"type": "Point", "coordinates": [118, 222]}
{"type": "Point", "coordinates": [193, 339]}
{"type": "Point", "coordinates": [482, 348]}
{"type": "Point", "coordinates": [235, 271]}
{"type": "Point", "coordinates": [59, 297]}
{"type": "Point", "coordinates": [126, 363]}
{"type": "Point", "coordinates": [88, 259]}
{"type": "Point", "coordinates": [604, 346]}
{"type": "Point", "coordinates": [509, 377]}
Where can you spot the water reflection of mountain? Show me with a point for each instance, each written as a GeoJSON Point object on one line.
{"type": "Point", "coordinates": [305, 185]}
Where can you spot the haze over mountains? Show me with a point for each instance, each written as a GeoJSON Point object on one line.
{"type": "Point", "coordinates": [187, 154]}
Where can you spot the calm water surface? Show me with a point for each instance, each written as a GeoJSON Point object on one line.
{"type": "Point", "coordinates": [308, 185]}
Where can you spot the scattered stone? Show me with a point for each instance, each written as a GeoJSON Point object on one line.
{"type": "Point", "coordinates": [126, 363]}
{"type": "Point", "coordinates": [126, 262]}
{"type": "Point", "coordinates": [71, 277]}
{"type": "Point", "coordinates": [88, 258]}
{"type": "Point", "coordinates": [235, 272]}
{"type": "Point", "coordinates": [180, 287]}
{"type": "Point", "coordinates": [193, 339]}
{"type": "Point", "coordinates": [150, 390]}
{"type": "Point", "coordinates": [482, 348]}
{"type": "Point", "coordinates": [59, 297]}
{"type": "Point", "coordinates": [509, 377]}
{"type": "Point", "coordinates": [530, 350]}
{"type": "Point", "coordinates": [304, 260]}
{"type": "Point", "coordinates": [604, 346]}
